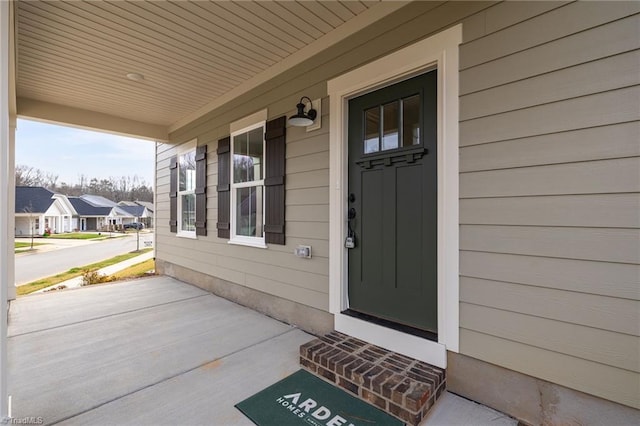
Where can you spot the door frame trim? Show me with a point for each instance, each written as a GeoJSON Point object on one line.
{"type": "Point", "coordinates": [439, 51]}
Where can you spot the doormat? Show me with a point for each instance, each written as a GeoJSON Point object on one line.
{"type": "Point", "coordinates": [303, 399]}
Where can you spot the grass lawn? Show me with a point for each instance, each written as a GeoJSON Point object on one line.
{"type": "Point", "coordinates": [23, 245]}
{"type": "Point", "coordinates": [74, 272]}
{"type": "Point", "coordinates": [76, 236]}
{"type": "Point", "coordinates": [136, 271]}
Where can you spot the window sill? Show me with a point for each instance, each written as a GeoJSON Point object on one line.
{"type": "Point", "coordinates": [259, 243]}
{"type": "Point", "coordinates": [186, 234]}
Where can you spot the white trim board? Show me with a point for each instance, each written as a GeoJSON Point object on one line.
{"type": "Point", "coordinates": [181, 150]}
{"type": "Point", "coordinates": [47, 112]}
{"type": "Point", "coordinates": [7, 212]}
{"type": "Point", "coordinates": [244, 125]}
{"type": "Point", "coordinates": [439, 51]}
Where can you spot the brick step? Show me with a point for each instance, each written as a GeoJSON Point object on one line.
{"type": "Point", "coordinates": [401, 386]}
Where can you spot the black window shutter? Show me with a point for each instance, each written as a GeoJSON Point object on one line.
{"type": "Point", "coordinates": [173, 194]}
{"type": "Point", "coordinates": [201, 190]}
{"type": "Point", "coordinates": [224, 192]}
{"type": "Point", "coordinates": [275, 140]}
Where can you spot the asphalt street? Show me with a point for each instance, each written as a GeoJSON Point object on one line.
{"type": "Point", "coordinates": [35, 265]}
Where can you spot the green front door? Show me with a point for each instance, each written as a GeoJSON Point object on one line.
{"type": "Point", "coordinates": [393, 204]}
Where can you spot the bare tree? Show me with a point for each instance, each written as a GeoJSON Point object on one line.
{"type": "Point", "coordinates": [50, 181]}
{"type": "Point", "coordinates": [29, 176]}
{"type": "Point", "coordinates": [29, 211]}
{"type": "Point", "coordinates": [83, 181]}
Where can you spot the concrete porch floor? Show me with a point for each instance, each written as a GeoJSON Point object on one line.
{"type": "Point", "coordinates": [157, 351]}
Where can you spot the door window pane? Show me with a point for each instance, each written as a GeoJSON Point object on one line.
{"type": "Point", "coordinates": [188, 212]}
{"type": "Point", "coordinates": [372, 130]}
{"type": "Point", "coordinates": [411, 121]}
{"type": "Point", "coordinates": [249, 211]}
{"type": "Point", "coordinates": [248, 156]}
{"type": "Point", "coordinates": [390, 126]}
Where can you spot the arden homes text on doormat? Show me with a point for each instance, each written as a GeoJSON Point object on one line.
{"type": "Point", "coordinates": [303, 399]}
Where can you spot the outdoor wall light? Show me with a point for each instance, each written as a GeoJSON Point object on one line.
{"type": "Point", "coordinates": [302, 119]}
{"type": "Point", "coordinates": [135, 76]}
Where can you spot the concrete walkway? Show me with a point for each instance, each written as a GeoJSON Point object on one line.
{"type": "Point", "coordinates": [157, 352]}
{"type": "Point", "coordinates": [108, 270]}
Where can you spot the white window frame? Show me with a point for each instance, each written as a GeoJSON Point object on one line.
{"type": "Point", "coordinates": [182, 150]}
{"type": "Point", "coordinates": [439, 51]}
{"type": "Point", "coordinates": [242, 239]}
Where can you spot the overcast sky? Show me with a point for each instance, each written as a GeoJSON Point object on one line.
{"type": "Point", "coordinates": [69, 152]}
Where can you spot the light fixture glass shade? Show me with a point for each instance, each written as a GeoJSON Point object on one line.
{"type": "Point", "coordinates": [302, 119]}
{"type": "Point", "coordinates": [135, 76]}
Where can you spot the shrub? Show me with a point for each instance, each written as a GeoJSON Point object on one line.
{"type": "Point", "coordinates": [92, 276]}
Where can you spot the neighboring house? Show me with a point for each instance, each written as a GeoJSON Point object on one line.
{"type": "Point", "coordinates": [98, 200]}
{"type": "Point", "coordinates": [140, 210]}
{"type": "Point", "coordinates": [148, 205]}
{"type": "Point", "coordinates": [148, 222]}
{"type": "Point", "coordinates": [38, 209]}
{"type": "Point", "coordinates": [41, 208]}
{"type": "Point", "coordinates": [117, 215]}
{"type": "Point", "coordinates": [469, 188]}
{"type": "Point", "coordinates": [90, 217]}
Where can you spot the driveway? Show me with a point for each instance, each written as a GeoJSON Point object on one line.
{"type": "Point", "coordinates": [68, 254]}
{"type": "Point", "coordinates": [157, 352]}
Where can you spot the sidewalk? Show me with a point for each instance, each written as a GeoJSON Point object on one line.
{"type": "Point", "coordinates": [109, 270]}
{"type": "Point", "coordinates": [42, 245]}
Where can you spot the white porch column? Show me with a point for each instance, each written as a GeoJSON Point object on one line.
{"type": "Point", "coordinates": [11, 207]}
{"type": "Point", "coordinates": [5, 213]}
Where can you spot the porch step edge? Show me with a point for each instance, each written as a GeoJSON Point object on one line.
{"type": "Point", "coordinates": [401, 386]}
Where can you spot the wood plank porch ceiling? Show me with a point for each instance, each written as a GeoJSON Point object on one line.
{"type": "Point", "coordinates": [78, 53]}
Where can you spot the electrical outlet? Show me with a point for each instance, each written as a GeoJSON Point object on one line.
{"type": "Point", "coordinates": [303, 251]}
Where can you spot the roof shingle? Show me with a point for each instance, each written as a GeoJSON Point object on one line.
{"type": "Point", "coordinates": [33, 199]}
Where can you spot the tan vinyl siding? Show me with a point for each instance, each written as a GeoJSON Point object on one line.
{"type": "Point", "coordinates": [589, 177]}
{"type": "Point", "coordinates": [590, 210]}
{"type": "Point", "coordinates": [618, 280]}
{"type": "Point", "coordinates": [599, 42]}
{"type": "Point", "coordinates": [614, 348]}
{"type": "Point", "coordinates": [611, 73]}
{"type": "Point", "coordinates": [600, 244]}
{"type": "Point", "coordinates": [568, 19]}
{"type": "Point", "coordinates": [550, 196]}
{"type": "Point", "coordinates": [565, 147]}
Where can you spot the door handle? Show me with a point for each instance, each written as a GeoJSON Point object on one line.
{"type": "Point", "coordinates": [350, 241]}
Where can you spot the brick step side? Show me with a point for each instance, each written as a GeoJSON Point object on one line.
{"type": "Point", "coordinates": [401, 386]}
